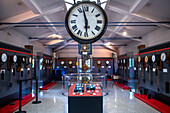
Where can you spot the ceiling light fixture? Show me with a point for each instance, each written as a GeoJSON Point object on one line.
{"type": "Point", "coordinates": [124, 33]}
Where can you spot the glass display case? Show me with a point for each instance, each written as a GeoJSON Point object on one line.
{"type": "Point", "coordinates": [81, 83]}
{"type": "Point", "coordinates": [85, 92]}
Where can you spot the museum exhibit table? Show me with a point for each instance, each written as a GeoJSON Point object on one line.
{"type": "Point", "coordinates": [85, 92]}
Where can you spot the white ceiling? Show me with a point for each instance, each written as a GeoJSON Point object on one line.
{"type": "Point", "coordinates": [55, 11]}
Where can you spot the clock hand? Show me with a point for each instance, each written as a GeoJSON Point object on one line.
{"type": "Point", "coordinates": [85, 18]}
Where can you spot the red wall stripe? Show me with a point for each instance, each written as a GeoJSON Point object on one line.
{"type": "Point", "coordinates": [66, 59]}
{"type": "Point", "coordinates": [47, 57]}
{"type": "Point", "coordinates": [153, 51]}
{"type": "Point", "coordinates": [102, 59]}
{"type": "Point", "coordinates": [122, 57]}
{"type": "Point", "coordinates": [16, 51]}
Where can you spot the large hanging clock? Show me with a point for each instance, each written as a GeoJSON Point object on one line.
{"type": "Point", "coordinates": [86, 22]}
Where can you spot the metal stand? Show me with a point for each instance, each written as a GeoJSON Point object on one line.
{"type": "Point", "coordinates": [20, 95]}
{"type": "Point", "coordinates": [36, 102]}
{"type": "Point", "coordinates": [20, 98]}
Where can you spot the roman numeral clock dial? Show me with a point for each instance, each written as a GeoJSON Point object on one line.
{"type": "Point", "coordinates": [86, 22]}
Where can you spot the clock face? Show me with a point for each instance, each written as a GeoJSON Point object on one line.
{"type": "Point", "coordinates": [86, 22]}
{"type": "Point", "coordinates": [146, 58]}
{"type": "Point", "coordinates": [30, 59]}
{"type": "Point", "coordinates": [23, 59]}
{"type": "Point", "coordinates": [124, 61]}
{"type": "Point", "coordinates": [139, 58]}
{"type": "Point", "coordinates": [107, 62]}
{"type": "Point", "coordinates": [98, 62]}
{"type": "Point", "coordinates": [4, 57]}
{"type": "Point", "coordinates": [70, 62]}
{"type": "Point", "coordinates": [62, 62]}
{"type": "Point", "coordinates": [15, 58]}
{"type": "Point", "coordinates": [163, 57]}
{"type": "Point", "coordinates": [153, 58]}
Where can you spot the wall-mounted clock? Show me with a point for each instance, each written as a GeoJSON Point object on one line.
{"type": "Point", "coordinates": [30, 59]}
{"type": "Point", "coordinates": [139, 59]}
{"type": "Point", "coordinates": [15, 58]}
{"type": "Point", "coordinates": [4, 57]}
{"type": "Point", "coordinates": [124, 61]}
{"type": "Point", "coordinates": [146, 58]}
{"type": "Point", "coordinates": [163, 57]}
{"type": "Point", "coordinates": [70, 62]}
{"type": "Point", "coordinates": [86, 22]}
{"type": "Point", "coordinates": [107, 62]}
{"type": "Point", "coordinates": [153, 58]}
{"type": "Point", "coordinates": [23, 59]}
{"type": "Point", "coordinates": [62, 62]}
{"type": "Point", "coordinates": [98, 62]}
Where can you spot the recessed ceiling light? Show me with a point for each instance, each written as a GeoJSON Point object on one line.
{"type": "Point", "coordinates": [124, 33]}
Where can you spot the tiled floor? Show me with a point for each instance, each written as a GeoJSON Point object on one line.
{"type": "Point", "coordinates": [117, 101]}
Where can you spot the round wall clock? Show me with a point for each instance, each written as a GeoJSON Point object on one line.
{"type": "Point", "coordinates": [153, 58]}
{"type": "Point", "coordinates": [139, 58]}
{"type": "Point", "coordinates": [163, 57]}
{"type": "Point", "coordinates": [107, 62]}
{"type": "Point", "coordinates": [86, 22]}
{"type": "Point", "coordinates": [62, 62]}
{"type": "Point", "coordinates": [15, 58]}
{"type": "Point", "coordinates": [70, 62]}
{"type": "Point", "coordinates": [146, 58]}
{"type": "Point", "coordinates": [4, 57]}
{"type": "Point", "coordinates": [124, 61]}
{"type": "Point", "coordinates": [98, 62]}
{"type": "Point", "coordinates": [30, 59]}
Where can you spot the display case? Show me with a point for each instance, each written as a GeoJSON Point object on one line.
{"type": "Point", "coordinates": [85, 92]}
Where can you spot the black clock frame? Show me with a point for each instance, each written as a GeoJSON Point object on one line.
{"type": "Point", "coordinates": [83, 41]}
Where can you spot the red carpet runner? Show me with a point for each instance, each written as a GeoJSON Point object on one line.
{"type": "Point", "coordinates": [48, 86]}
{"type": "Point", "coordinates": [11, 108]}
{"type": "Point", "coordinates": [154, 103]}
{"type": "Point", "coordinates": [122, 85]}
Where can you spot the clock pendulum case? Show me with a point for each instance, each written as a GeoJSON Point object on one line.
{"type": "Point", "coordinates": [2, 61]}
{"type": "Point", "coordinates": [86, 22]}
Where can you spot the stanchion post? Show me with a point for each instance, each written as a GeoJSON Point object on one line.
{"type": "Point", "coordinates": [36, 101]}
{"type": "Point", "coordinates": [20, 98]}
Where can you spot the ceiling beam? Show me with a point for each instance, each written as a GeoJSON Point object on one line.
{"type": "Point", "coordinates": [64, 45]}
{"type": "Point", "coordinates": [139, 4]}
{"type": "Point", "coordinates": [132, 14]}
{"type": "Point", "coordinates": [29, 15]}
{"type": "Point", "coordinates": [33, 14]}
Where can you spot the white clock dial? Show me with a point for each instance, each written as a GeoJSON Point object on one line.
{"type": "Point", "coordinates": [107, 62]}
{"type": "Point", "coordinates": [153, 58]}
{"type": "Point", "coordinates": [4, 57]}
{"type": "Point", "coordinates": [86, 21]}
{"type": "Point", "coordinates": [62, 62]}
{"type": "Point", "coordinates": [30, 59]}
{"type": "Point", "coordinates": [15, 58]}
{"type": "Point", "coordinates": [70, 62]}
{"type": "Point", "coordinates": [124, 61]}
{"type": "Point", "coordinates": [23, 59]}
{"type": "Point", "coordinates": [98, 62]}
{"type": "Point", "coordinates": [163, 57]}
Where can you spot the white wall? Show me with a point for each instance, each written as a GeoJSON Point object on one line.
{"type": "Point", "coordinates": [73, 52]}
{"type": "Point", "coordinates": [157, 36]}
{"type": "Point", "coordinates": [16, 38]}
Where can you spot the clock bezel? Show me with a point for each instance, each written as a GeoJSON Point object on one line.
{"type": "Point", "coordinates": [78, 39]}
